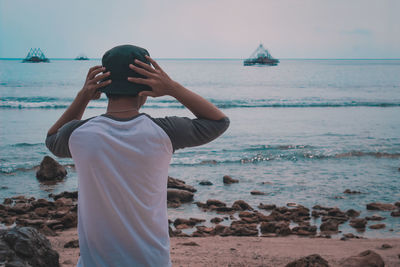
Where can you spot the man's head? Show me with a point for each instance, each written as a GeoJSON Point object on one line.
{"type": "Point", "coordinates": [117, 60]}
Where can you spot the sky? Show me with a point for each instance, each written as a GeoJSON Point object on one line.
{"type": "Point", "coordinates": [202, 29]}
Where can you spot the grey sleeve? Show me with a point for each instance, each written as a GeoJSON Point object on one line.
{"type": "Point", "coordinates": [57, 143]}
{"type": "Point", "coordinates": [185, 132]}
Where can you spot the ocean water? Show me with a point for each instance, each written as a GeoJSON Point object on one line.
{"type": "Point", "coordinates": [308, 129]}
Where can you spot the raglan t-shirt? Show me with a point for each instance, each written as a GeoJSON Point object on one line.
{"type": "Point", "coordinates": [122, 167]}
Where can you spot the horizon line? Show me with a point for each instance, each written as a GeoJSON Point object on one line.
{"type": "Point", "coordinates": [216, 58]}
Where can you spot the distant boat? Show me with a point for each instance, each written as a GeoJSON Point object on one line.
{"type": "Point", "coordinates": [35, 55]}
{"type": "Point", "coordinates": [81, 57]}
{"type": "Point", "coordinates": [261, 56]}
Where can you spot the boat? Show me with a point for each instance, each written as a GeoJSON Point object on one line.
{"type": "Point", "coordinates": [35, 55]}
{"type": "Point", "coordinates": [261, 56]}
{"type": "Point", "coordinates": [82, 57]}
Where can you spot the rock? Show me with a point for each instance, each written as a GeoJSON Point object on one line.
{"type": "Point", "coordinates": [216, 220]}
{"type": "Point", "coordinates": [240, 229]}
{"type": "Point", "coordinates": [395, 214]}
{"type": "Point", "coordinates": [386, 246]}
{"type": "Point", "coordinates": [397, 204]}
{"type": "Point", "coordinates": [257, 193]}
{"type": "Point", "coordinates": [205, 182]}
{"type": "Point", "coordinates": [352, 213]}
{"type": "Point", "coordinates": [241, 205]}
{"type": "Point", "coordinates": [65, 194]}
{"type": "Point", "coordinates": [358, 223]}
{"type": "Point", "coordinates": [42, 212]}
{"type": "Point", "coordinates": [377, 226]}
{"type": "Point", "coordinates": [192, 244]}
{"type": "Point", "coordinates": [216, 203]}
{"type": "Point", "coordinates": [313, 260]}
{"type": "Point", "coordinates": [381, 206]}
{"type": "Point", "coordinates": [364, 259]}
{"type": "Point", "coordinates": [281, 228]}
{"type": "Point", "coordinates": [189, 223]}
{"type": "Point", "coordinates": [375, 217]}
{"type": "Point", "coordinates": [25, 246]}
{"type": "Point", "coordinates": [350, 235]}
{"type": "Point", "coordinates": [179, 184]}
{"type": "Point", "coordinates": [329, 225]}
{"type": "Point", "coordinates": [72, 244]}
{"type": "Point", "coordinates": [50, 170]}
{"type": "Point", "coordinates": [291, 204]}
{"type": "Point", "coordinates": [7, 201]}
{"type": "Point", "coordinates": [348, 191]}
{"type": "Point", "coordinates": [267, 206]}
{"type": "Point", "coordinates": [70, 220]}
{"type": "Point", "coordinates": [179, 196]}
{"type": "Point", "coordinates": [229, 180]}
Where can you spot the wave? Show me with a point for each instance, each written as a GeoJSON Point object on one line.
{"type": "Point", "coordinates": [62, 103]}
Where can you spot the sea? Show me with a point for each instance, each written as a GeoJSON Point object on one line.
{"type": "Point", "coordinates": [302, 132]}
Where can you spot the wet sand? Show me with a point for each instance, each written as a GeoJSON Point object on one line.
{"type": "Point", "coordinates": [251, 251]}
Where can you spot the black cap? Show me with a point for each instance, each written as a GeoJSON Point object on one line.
{"type": "Point", "coordinates": [117, 60]}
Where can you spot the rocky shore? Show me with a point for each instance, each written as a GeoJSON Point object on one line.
{"type": "Point", "coordinates": [57, 215]}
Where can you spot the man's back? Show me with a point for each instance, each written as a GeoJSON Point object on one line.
{"type": "Point", "coordinates": [123, 170]}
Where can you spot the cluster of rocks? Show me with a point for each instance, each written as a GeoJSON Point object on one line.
{"type": "Point", "coordinates": [178, 192]}
{"type": "Point", "coordinates": [365, 258]}
{"type": "Point", "coordinates": [44, 215]}
{"type": "Point", "coordinates": [25, 246]}
{"type": "Point", "coordinates": [253, 222]}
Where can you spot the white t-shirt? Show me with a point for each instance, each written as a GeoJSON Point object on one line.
{"type": "Point", "coordinates": [122, 168]}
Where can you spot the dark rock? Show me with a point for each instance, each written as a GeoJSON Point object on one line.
{"type": "Point", "coordinates": [305, 229]}
{"type": "Point", "coordinates": [280, 228]}
{"type": "Point", "coordinates": [42, 212]}
{"type": "Point", "coordinates": [395, 214]}
{"type": "Point", "coordinates": [216, 220]}
{"type": "Point", "coordinates": [241, 205]}
{"type": "Point", "coordinates": [257, 193]}
{"type": "Point", "coordinates": [216, 203]}
{"type": "Point", "coordinates": [330, 225]}
{"type": "Point", "coordinates": [377, 226]}
{"type": "Point", "coordinates": [72, 244]}
{"type": "Point", "coordinates": [358, 223]}
{"type": "Point", "coordinates": [229, 180]}
{"type": "Point", "coordinates": [313, 260]}
{"type": "Point", "coordinates": [243, 229]}
{"type": "Point", "coordinates": [386, 246]}
{"type": "Point", "coordinates": [25, 246]}
{"type": "Point", "coordinates": [267, 206]}
{"type": "Point", "coordinates": [178, 196]}
{"type": "Point", "coordinates": [381, 206]}
{"type": "Point", "coordinates": [205, 182]}
{"type": "Point", "coordinates": [70, 220]}
{"type": "Point", "coordinates": [65, 194]}
{"type": "Point", "coordinates": [50, 170]}
{"type": "Point", "coordinates": [397, 204]}
{"type": "Point", "coordinates": [179, 184]}
{"type": "Point", "coordinates": [318, 207]}
{"type": "Point", "coordinates": [191, 244]}
{"type": "Point", "coordinates": [350, 235]}
{"type": "Point", "coordinates": [348, 191]}
{"type": "Point", "coordinates": [7, 201]}
{"type": "Point", "coordinates": [375, 217]}
{"type": "Point", "coordinates": [352, 213]}
{"type": "Point", "coordinates": [364, 259]}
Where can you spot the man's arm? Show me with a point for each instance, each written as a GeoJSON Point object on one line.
{"type": "Point", "coordinates": [161, 84]}
{"type": "Point", "coordinates": [87, 93]}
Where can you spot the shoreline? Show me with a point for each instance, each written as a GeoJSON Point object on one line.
{"type": "Point", "coordinates": [251, 251]}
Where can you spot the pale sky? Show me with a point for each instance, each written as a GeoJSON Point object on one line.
{"type": "Point", "coordinates": [202, 29]}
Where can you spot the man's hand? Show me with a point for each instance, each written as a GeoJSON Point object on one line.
{"type": "Point", "coordinates": [93, 83]}
{"type": "Point", "coordinates": [87, 93]}
{"type": "Point", "coordinates": [160, 83]}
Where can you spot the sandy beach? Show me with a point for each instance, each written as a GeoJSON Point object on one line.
{"type": "Point", "coordinates": [251, 251]}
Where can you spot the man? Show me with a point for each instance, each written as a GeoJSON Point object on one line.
{"type": "Point", "coordinates": [122, 157]}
